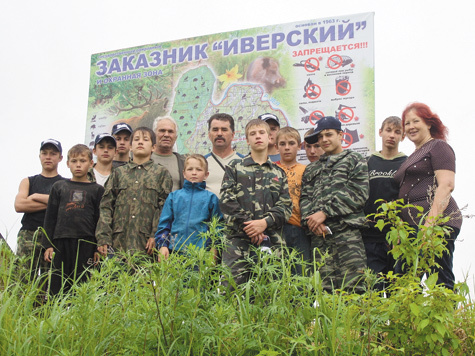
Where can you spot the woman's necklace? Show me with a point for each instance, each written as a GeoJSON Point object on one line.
{"type": "Point", "coordinates": [422, 144]}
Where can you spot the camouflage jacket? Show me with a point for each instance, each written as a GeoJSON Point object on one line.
{"type": "Point", "coordinates": [131, 206]}
{"type": "Point", "coordinates": [338, 185]}
{"type": "Point", "coordinates": [251, 191]}
{"type": "Point", "coordinates": [91, 177]}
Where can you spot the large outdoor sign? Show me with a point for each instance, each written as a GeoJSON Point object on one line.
{"type": "Point", "coordinates": [299, 71]}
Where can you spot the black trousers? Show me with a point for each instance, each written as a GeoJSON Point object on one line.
{"type": "Point", "coordinates": [70, 263]}
{"type": "Point", "coordinates": [446, 275]}
{"type": "Point", "coordinates": [379, 260]}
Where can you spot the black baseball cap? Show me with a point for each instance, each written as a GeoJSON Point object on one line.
{"type": "Point", "coordinates": [121, 127]}
{"type": "Point", "coordinates": [55, 143]}
{"type": "Point", "coordinates": [103, 136]}
{"type": "Point", "coordinates": [269, 117]}
{"type": "Point", "coordinates": [325, 123]}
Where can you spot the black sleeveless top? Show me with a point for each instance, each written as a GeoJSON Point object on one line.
{"type": "Point", "coordinates": [42, 185]}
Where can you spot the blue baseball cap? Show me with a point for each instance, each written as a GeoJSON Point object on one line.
{"type": "Point", "coordinates": [121, 127]}
{"type": "Point", "coordinates": [325, 123]}
{"type": "Point", "coordinates": [269, 117]}
{"type": "Point", "coordinates": [55, 143]}
{"type": "Point", "coordinates": [103, 136]}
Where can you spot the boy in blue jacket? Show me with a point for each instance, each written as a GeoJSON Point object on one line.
{"type": "Point", "coordinates": [187, 210]}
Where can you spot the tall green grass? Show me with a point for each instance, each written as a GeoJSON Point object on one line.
{"type": "Point", "coordinates": [180, 307]}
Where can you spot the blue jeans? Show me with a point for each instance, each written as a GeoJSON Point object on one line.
{"type": "Point", "coordinates": [296, 238]}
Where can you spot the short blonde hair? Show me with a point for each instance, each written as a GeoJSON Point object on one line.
{"type": "Point", "coordinates": [290, 132]}
{"type": "Point", "coordinates": [257, 122]}
{"type": "Point", "coordinates": [79, 149]}
{"type": "Point", "coordinates": [198, 157]}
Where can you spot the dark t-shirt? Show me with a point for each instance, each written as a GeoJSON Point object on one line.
{"type": "Point", "coordinates": [417, 180]}
{"type": "Point", "coordinates": [41, 185]}
{"type": "Point", "coordinates": [381, 186]}
{"type": "Point", "coordinates": [73, 210]}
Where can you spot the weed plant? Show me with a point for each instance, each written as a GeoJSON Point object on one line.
{"type": "Point", "coordinates": [133, 306]}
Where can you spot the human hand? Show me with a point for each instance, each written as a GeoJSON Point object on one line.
{"type": "Point", "coordinates": [102, 250]}
{"type": "Point", "coordinates": [315, 220]}
{"type": "Point", "coordinates": [254, 228]}
{"type": "Point", "coordinates": [257, 240]}
{"type": "Point", "coordinates": [163, 252]}
{"type": "Point", "coordinates": [321, 230]}
{"type": "Point", "coordinates": [150, 245]}
{"type": "Point", "coordinates": [49, 254]}
{"type": "Point", "coordinates": [97, 258]}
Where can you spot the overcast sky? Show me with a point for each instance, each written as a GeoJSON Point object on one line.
{"type": "Point", "coordinates": [424, 51]}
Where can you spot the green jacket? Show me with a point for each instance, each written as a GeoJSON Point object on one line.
{"type": "Point", "coordinates": [338, 185]}
{"type": "Point", "coordinates": [251, 191]}
{"type": "Point", "coordinates": [131, 205]}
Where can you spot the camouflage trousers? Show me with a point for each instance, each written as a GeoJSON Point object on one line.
{"type": "Point", "coordinates": [343, 257]}
{"type": "Point", "coordinates": [29, 247]}
{"type": "Point", "coordinates": [240, 255]}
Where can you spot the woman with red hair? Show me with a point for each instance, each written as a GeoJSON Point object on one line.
{"type": "Point", "coordinates": [427, 179]}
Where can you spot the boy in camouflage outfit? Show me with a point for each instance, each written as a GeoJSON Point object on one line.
{"type": "Point", "coordinates": [255, 202]}
{"type": "Point", "coordinates": [133, 200]}
{"type": "Point", "coordinates": [334, 191]}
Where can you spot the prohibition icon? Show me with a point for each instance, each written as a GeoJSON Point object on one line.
{"type": "Point", "coordinates": [335, 61]}
{"type": "Point", "coordinates": [312, 64]}
{"type": "Point", "coordinates": [346, 115]}
{"type": "Point", "coordinates": [346, 140]}
{"type": "Point", "coordinates": [313, 91]}
{"type": "Point", "coordinates": [343, 87]}
{"type": "Point", "coordinates": [315, 116]}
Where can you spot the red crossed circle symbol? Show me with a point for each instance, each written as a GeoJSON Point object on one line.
{"type": "Point", "coordinates": [335, 61]}
{"type": "Point", "coordinates": [310, 66]}
{"type": "Point", "coordinates": [313, 91]}
{"type": "Point", "coordinates": [349, 116]}
{"type": "Point", "coordinates": [347, 140]}
{"type": "Point", "coordinates": [342, 89]}
{"type": "Point", "coordinates": [316, 115]}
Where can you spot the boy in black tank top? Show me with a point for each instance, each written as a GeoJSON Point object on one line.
{"type": "Point", "coordinates": [32, 199]}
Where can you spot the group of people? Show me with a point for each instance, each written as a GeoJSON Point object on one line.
{"type": "Point", "coordinates": [158, 202]}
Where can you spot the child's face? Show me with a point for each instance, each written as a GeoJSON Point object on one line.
{"type": "Point", "coordinates": [50, 158]}
{"type": "Point", "coordinates": [142, 145]}
{"type": "Point", "coordinates": [194, 171]}
{"type": "Point", "coordinates": [288, 148]}
{"type": "Point", "coordinates": [330, 141]}
{"type": "Point", "coordinates": [391, 136]}
{"type": "Point", "coordinates": [257, 138]}
{"type": "Point", "coordinates": [123, 142]}
{"type": "Point", "coordinates": [79, 165]}
{"type": "Point", "coordinates": [314, 151]}
{"type": "Point", "coordinates": [105, 151]}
